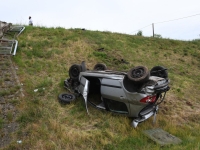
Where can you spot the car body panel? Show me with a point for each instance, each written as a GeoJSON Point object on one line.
{"type": "Point", "coordinates": [112, 88]}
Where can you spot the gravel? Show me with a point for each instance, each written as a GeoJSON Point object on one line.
{"type": "Point", "coordinates": [10, 93]}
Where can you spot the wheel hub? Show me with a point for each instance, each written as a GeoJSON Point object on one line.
{"type": "Point", "coordinates": [137, 73]}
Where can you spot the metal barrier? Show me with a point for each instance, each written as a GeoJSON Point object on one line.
{"type": "Point", "coordinates": [14, 31]}
{"type": "Point", "coordinates": [8, 47]}
{"type": "Point", "coordinates": [8, 33]}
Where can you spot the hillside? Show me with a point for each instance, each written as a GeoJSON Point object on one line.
{"type": "Point", "coordinates": [43, 59]}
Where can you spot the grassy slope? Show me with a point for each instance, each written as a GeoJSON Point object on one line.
{"type": "Point", "coordinates": [44, 56]}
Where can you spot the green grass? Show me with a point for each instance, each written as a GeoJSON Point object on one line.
{"type": "Point", "coordinates": [1, 123]}
{"type": "Point", "coordinates": [44, 56]}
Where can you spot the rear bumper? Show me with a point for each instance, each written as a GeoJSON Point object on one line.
{"type": "Point", "coordinates": [144, 115]}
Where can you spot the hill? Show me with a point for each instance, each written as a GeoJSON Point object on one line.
{"type": "Point", "coordinates": [43, 59]}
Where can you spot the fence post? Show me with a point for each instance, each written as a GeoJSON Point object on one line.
{"type": "Point", "coordinates": [153, 28]}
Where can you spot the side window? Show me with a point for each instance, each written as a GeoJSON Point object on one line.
{"type": "Point", "coordinates": [116, 106]}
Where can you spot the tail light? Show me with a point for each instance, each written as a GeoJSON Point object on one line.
{"type": "Point", "coordinates": [148, 99]}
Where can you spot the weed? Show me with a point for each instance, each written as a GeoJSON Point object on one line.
{"type": "Point", "coordinates": [178, 90]}
{"type": "Point", "coordinates": [1, 81]}
{"type": "Point", "coordinates": [101, 55]}
{"type": "Point", "coordinates": [7, 79]}
{"type": "Point", "coordinates": [10, 116]}
{"type": "Point", "coordinates": [4, 93]}
{"type": "Point", "coordinates": [47, 82]}
{"type": "Point", "coordinates": [175, 51]}
{"type": "Point", "coordinates": [1, 123]}
{"type": "Point", "coordinates": [30, 115]}
{"type": "Point", "coordinates": [185, 52]}
{"type": "Point", "coordinates": [23, 44]}
{"type": "Point", "coordinates": [14, 101]}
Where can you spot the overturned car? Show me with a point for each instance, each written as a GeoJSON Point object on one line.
{"type": "Point", "coordinates": [136, 93]}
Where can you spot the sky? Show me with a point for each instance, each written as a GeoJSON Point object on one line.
{"type": "Point", "coordinates": [121, 16]}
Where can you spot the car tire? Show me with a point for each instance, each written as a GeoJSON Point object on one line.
{"type": "Point", "coordinates": [159, 71]}
{"type": "Point", "coordinates": [138, 74]}
{"type": "Point", "coordinates": [66, 98]}
{"type": "Point", "coordinates": [74, 71]}
{"type": "Point", "coordinates": [100, 67]}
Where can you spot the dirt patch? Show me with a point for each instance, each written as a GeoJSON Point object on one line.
{"type": "Point", "coordinates": [10, 93]}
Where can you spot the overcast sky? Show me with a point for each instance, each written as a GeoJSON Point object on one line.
{"type": "Point", "coordinates": [123, 16]}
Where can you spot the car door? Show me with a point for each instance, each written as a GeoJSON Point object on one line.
{"type": "Point", "coordinates": [114, 96]}
{"type": "Point", "coordinates": [84, 89]}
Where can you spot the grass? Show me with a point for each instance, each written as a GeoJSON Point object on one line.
{"type": "Point", "coordinates": [44, 56]}
{"type": "Point", "coordinates": [1, 123]}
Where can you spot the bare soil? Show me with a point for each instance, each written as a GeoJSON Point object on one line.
{"type": "Point", "coordinates": [10, 93]}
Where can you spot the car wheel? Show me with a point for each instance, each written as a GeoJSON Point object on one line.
{"type": "Point", "coordinates": [66, 98]}
{"type": "Point", "coordinates": [100, 67]}
{"type": "Point", "coordinates": [159, 71]}
{"type": "Point", "coordinates": [74, 71]}
{"type": "Point", "coordinates": [138, 74]}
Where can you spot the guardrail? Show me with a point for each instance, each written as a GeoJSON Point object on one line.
{"type": "Point", "coordinates": [8, 45]}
